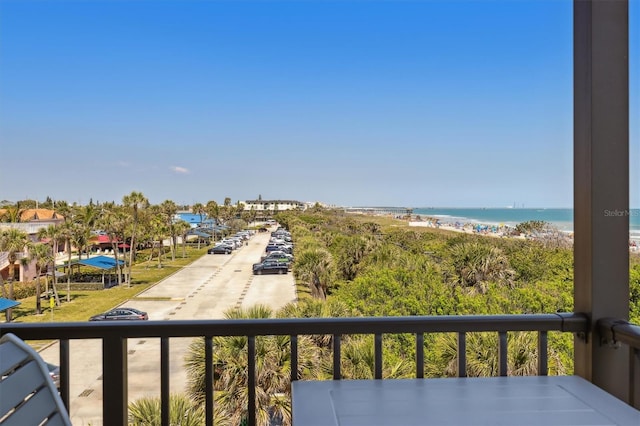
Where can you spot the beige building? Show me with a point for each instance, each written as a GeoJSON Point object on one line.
{"type": "Point", "coordinates": [31, 221]}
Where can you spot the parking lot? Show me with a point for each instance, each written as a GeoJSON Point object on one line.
{"type": "Point", "coordinates": [204, 289]}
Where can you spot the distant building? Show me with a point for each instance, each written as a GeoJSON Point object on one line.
{"type": "Point", "coordinates": [192, 219]}
{"type": "Point", "coordinates": [31, 221]}
{"type": "Point", "coordinates": [271, 206]}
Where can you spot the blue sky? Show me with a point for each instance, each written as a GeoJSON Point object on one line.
{"type": "Point", "coordinates": [410, 103]}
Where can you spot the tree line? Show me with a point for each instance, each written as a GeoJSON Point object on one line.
{"type": "Point", "coordinates": [133, 224]}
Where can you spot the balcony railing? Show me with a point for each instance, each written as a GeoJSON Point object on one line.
{"type": "Point", "coordinates": [616, 333]}
{"type": "Point", "coordinates": [114, 338]}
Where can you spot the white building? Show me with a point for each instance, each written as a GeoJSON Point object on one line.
{"type": "Point", "coordinates": [271, 206]}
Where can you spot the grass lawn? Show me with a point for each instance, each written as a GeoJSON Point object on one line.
{"type": "Point", "coordinates": [85, 303]}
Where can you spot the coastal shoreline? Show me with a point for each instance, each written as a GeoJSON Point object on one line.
{"type": "Point", "coordinates": [470, 228]}
{"type": "Point", "coordinates": [503, 231]}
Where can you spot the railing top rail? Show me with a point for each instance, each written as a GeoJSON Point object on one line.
{"type": "Point", "coordinates": [567, 322]}
{"type": "Point", "coordinates": [616, 330]}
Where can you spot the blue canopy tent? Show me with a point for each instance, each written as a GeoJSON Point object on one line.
{"type": "Point", "coordinates": [215, 229]}
{"type": "Point", "coordinates": [7, 304]}
{"type": "Point", "coordinates": [104, 263]}
{"type": "Point", "coordinates": [100, 262]}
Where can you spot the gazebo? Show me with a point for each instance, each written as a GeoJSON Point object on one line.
{"type": "Point", "coordinates": [104, 263]}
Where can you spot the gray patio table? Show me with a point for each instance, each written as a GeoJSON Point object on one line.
{"type": "Point", "coordinates": [534, 400]}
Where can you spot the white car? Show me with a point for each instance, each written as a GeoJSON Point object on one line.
{"type": "Point", "coordinates": [233, 242]}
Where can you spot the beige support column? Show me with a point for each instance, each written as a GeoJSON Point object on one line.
{"type": "Point", "coordinates": [601, 182]}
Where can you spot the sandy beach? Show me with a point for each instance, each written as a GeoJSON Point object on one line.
{"type": "Point", "coordinates": [469, 228]}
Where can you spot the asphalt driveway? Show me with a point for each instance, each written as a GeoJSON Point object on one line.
{"type": "Point", "coordinates": [205, 289]}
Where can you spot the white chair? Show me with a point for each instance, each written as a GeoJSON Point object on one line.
{"type": "Point", "coordinates": [28, 395]}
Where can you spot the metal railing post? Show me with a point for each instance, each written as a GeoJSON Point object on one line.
{"type": "Point", "coordinates": [64, 372]}
{"type": "Point", "coordinates": [378, 356]}
{"type": "Point", "coordinates": [543, 368]}
{"type": "Point", "coordinates": [208, 371]}
{"type": "Point", "coordinates": [114, 384]}
{"type": "Point", "coordinates": [164, 381]}
{"type": "Point", "coordinates": [502, 353]}
{"type": "Point", "coordinates": [462, 354]}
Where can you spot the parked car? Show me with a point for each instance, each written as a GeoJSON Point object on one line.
{"type": "Point", "coordinates": [235, 243]}
{"type": "Point", "coordinates": [220, 249]}
{"type": "Point", "coordinates": [278, 254]}
{"type": "Point", "coordinates": [230, 245]}
{"type": "Point", "coordinates": [281, 258]}
{"type": "Point", "coordinates": [117, 314]}
{"type": "Point", "coordinates": [273, 247]}
{"type": "Point", "coordinates": [54, 373]}
{"type": "Point", "coordinates": [287, 248]}
{"type": "Point", "coordinates": [239, 241]}
{"type": "Point", "coordinates": [270, 267]}
{"type": "Point", "coordinates": [242, 234]}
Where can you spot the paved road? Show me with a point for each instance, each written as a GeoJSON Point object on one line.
{"type": "Point", "coordinates": [203, 290]}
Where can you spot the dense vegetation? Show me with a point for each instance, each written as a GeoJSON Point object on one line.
{"type": "Point", "coordinates": [391, 270]}
{"type": "Point", "coordinates": [379, 269]}
{"type": "Point", "coordinates": [358, 265]}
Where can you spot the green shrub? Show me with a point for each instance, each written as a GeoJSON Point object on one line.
{"type": "Point", "coordinates": [146, 412]}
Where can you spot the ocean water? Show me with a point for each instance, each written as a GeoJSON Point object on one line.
{"type": "Point", "coordinates": [561, 218]}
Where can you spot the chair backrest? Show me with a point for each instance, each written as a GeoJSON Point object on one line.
{"type": "Point", "coordinates": [28, 395]}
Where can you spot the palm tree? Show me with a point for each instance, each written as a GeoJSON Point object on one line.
{"type": "Point", "coordinates": [482, 355]}
{"type": "Point", "coordinates": [15, 242]}
{"type": "Point", "coordinates": [213, 211]}
{"type": "Point", "coordinates": [182, 412]}
{"type": "Point", "coordinates": [238, 209]}
{"type": "Point", "coordinates": [67, 231]}
{"type": "Point", "coordinates": [273, 371]}
{"type": "Point", "coordinates": [158, 229]}
{"type": "Point", "coordinates": [43, 256]}
{"type": "Point", "coordinates": [358, 361]}
{"type": "Point", "coordinates": [86, 218]}
{"type": "Point", "coordinates": [315, 308]}
{"type": "Point", "coordinates": [249, 216]}
{"type": "Point", "coordinates": [228, 210]}
{"type": "Point", "coordinates": [371, 227]}
{"type": "Point", "coordinates": [54, 234]}
{"type": "Point", "coordinates": [199, 209]}
{"type": "Point", "coordinates": [12, 214]}
{"type": "Point", "coordinates": [135, 201]}
{"type": "Point", "coordinates": [169, 210]}
{"type": "Point", "coordinates": [113, 221]}
{"type": "Point", "coordinates": [477, 265]}
{"type": "Point", "coordinates": [181, 228]}
{"type": "Point", "coordinates": [350, 252]}
{"type": "Point", "coordinates": [80, 234]}
{"type": "Point", "coordinates": [314, 266]}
